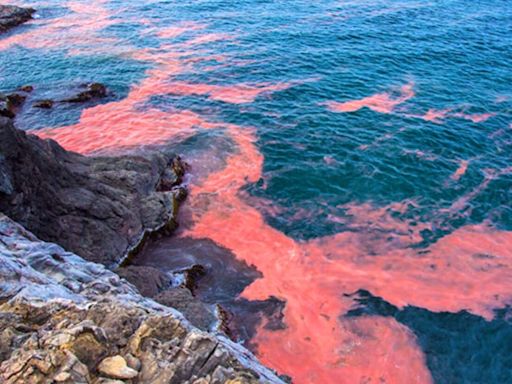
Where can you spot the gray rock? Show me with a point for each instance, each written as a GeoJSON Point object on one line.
{"type": "Point", "coordinates": [97, 207]}
{"type": "Point", "coordinates": [11, 16]}
{"type": "Point", "coordinates": [5, 181]}
{"type": "Point", "coordinates": [198, 313]}
{"type": "Point", "coordinates": [52, 333]}
{"type": "Point", "coordinates": [148, 280]}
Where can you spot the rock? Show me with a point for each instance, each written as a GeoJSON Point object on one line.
{"type": "Point", "coordinates": [50, 333]}
{"type": "Point", "coordinates": [92, 91]}
{"type": "Point", "coordinates": [15, 99]}
{"type": "Point", "coordinates": [102, 380]}
{"type": "Point", "coordinates": [148, 280]}
{"type": "Point", "coordinates": [9, 104]}
{"type": "Point", "coordinates": [180, 193]}
{"type": "Point", "coordinates": [5, 180]}
{"type": "Point", "coordinates": [198, 313]}
{"type": "Point", "coordinates": [133, 362]}
{"type": "Point", "coordinates": [5, 110]}
{"type": "Point", "coordinates": [97, 207]}
{"type": "Point", "coordinates": [43, 104]}
{"type": "Point", "coordinates": [26, 88]}
{"type": "Point", "coordinates": [117, 368]}
{"type": "Point", "coordinates": [11, 16]}
{"type": "Point", "coordinates": [192, 276]}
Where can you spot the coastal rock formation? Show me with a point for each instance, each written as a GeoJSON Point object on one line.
{"type": "Point", "coordinates": [66, 320]}
{"type": "Point", "coordinates": [155, 284]}
{"type": "Point", "coordinates": [89, 92]}
{"type": "Point", "coordinates": [97, 207]}
{"type": "Point", "coordinates": [9, 104]}
{"type": "Point", "coordinates": [11, 16]}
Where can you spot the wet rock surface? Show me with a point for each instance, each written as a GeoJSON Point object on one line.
{"type": "Point", "coordinates": [66, 320]}
{"type": "Point", "coordinates": [43, 104]}
{"type": "Point", "coordinates": [90, 91]}
{"type": "Point", "coordinates": [206, 277]}
{"type": "Point", "coordinates": [97, 207]}
{"type": "Point", "coordinates": [12, 16]}
{"type": "Point", "coordinates": [11, 103]}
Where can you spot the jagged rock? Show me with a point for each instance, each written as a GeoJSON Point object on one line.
{"type": "Point", "coordinates": [43, 104]}
{"type": "Point", "coordinates": [92, 91]}
{"type": "Point", "coordinates": [117, 368]}
{"type": "Point", "coordinates": [11, 16]}
{"type": "Point", "coordinates": [97, 207]}
{"type": "Point", "coordinates": [61, 316]}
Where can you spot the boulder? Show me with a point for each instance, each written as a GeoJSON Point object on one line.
{"type": "Point", "coordinates": [97, 207]}
{"type": "Point", "coordinates": [11, 16]}
{"type": "Point", "coordinates": [116, 367]}
{"type": "Point", "coordinates": [91, 91]}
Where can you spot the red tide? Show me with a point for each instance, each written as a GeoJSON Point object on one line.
{"type": "Point", "coordinates": [381, 102]}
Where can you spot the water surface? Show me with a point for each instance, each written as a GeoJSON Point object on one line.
{"type": "Point", "coordinates": [356, 153]}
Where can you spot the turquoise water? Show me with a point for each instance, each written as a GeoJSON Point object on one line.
{"type": "Point", "coordinates": [390, 120]}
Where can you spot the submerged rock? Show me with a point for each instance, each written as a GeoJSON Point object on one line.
{"type": "Point", "coordinates": [43, 104]}
{"type": "Point", "coordinates": [92, 91]}
{"type": "Point", "coordinates": [26, 88]}
{"type": "Point", "coordinates": [11, 16]}
{"type": "Point", "coordinates": [97, 207]}
{"type": "Point", "coordinates": [66, 320]}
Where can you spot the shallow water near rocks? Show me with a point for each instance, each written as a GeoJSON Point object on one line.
{"type": "Point", "coordinates": [357, 154]}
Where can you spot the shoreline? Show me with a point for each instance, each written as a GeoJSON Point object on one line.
{"type": "Point", "coordinates": [33, 170]}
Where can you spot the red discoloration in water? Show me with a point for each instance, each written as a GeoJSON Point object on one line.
{"type": "Point", "coordinates": [209, 38]}
{"type": "Point", "coordinates": [387, 103]}
{"type": "Point", "coordinates": [436, 115]}
{"type": "Point", "coordinates": [236, 94]}
{"type": "Point", "coordinates": [461, 171]}
{"type": "Point", "coordinates": [464, 270]}
{"type": "Point", "coordinates": [474, 117]}
{"type": "Point", "coordinates": [381, 102]}
{"type": "Point", "coordinates": [177, 30]}
{"type": "Point", "coordinates": [79, 28]}
{"type": "Point", "coordinates": [467, 269]}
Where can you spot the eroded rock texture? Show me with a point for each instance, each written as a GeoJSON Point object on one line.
{"type": "Point", "coordinates": [96, 207]}
{"type": "Point", "coordinates": [66, 320]}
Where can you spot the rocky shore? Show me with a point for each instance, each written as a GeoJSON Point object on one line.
{"type": "Point", "coordinates": [12, 16]}
{"type": "Point", "coordinates": [66, 320]}
{"type": "Point", "coordinates": [65, 315]}
{"type": "Point", "coordinates": [97, 207]}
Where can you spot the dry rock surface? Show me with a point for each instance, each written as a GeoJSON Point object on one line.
{"type": "Point", "coordinates": [97, 207]}
{"type": "Point", "coordinates": [67, 320]}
